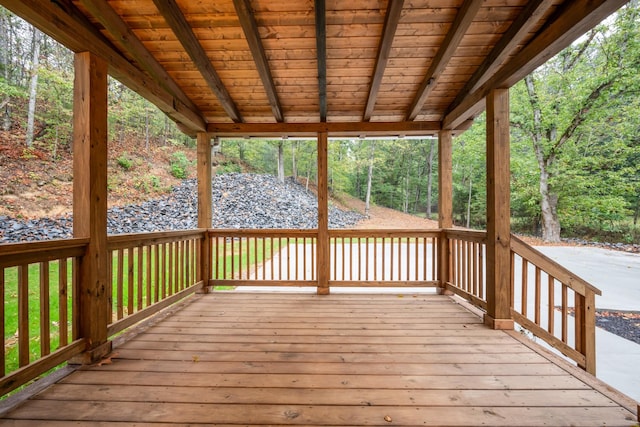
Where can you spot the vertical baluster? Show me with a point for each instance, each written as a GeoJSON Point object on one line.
{"type": "Point", "coordinates": [63, 321]}
{"type": "Point", "coordinates": [233, 258]}
{"type": "Point", "coordinates": [271, 240]}
{"type": "Point", "coordinates": [149, 258]}
{"type": "Point", "coordinates": [304, 258]}
{"type": "Point", "coordinates": [263, 240]}
{"type": "Point", "coordinates": [140, 262]}
{"type": "Point", "coordinates": [240, 268]}
{"type": "Point", "coordinates": [481, 271]}
{"type": "Point", "coordinates": [537, 296]}
{"type": "Point", "coordinates": [344, 256]}
{"type": "Point", "coordinates": [434, 259]}
{"type": "Point", "coordinates": [75, 298]}
{"type": "Point", "coordinates": [23, 315]}
{"type": "Point", "coordinates": [525, 282]}
{"type": "Point", "coordinates": [565, 313]}
{"type": "Point", "coordinates": [280, 260]}
{"type": "Point", "coordinates": [551, 300]}
{"type": "Point", "coordinates": [384, 258]}
{"type": "Point", "coordinates": [296, 260]}
{"type": "Point", "coordinates": [130, 287]}
{"type": "Point", "coordinates": [45, 322]}
{"type": "Point", "coordinates": [120, 285]}
{"type": "Point", "coordinates": [156, 284]}
{"type": "Point", "coordinates": [391, 258]}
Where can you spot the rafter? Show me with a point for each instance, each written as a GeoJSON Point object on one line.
{"type": "Point", "coordinates": [394, 9]}
{"type": "Point", "coordinates": [518, 30]}
{"type": "Point", "coordinates": [250, 28]}
{"type": "Point", "coordinates": [181, 28]}
{"type": "Point", "coordinates": [104, 13]}
{"type": "Point", "coordinates": [463, 20]}
{"type": "Point", "coordinates": [569, 24]}
{"type": "Point", "coordinates": [64, 22]}
{"type": "Point", "coordinates": [321, 47]}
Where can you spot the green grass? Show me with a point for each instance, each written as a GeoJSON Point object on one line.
{"type": "Point", "coordinates": [242, 261]}
{"type": "Point", "coordinates": [11, 311]}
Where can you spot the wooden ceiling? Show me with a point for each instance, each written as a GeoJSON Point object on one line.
{"type": "Point", "coordinates": [296, 67]}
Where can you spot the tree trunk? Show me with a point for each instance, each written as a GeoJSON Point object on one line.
{"type": "Point", "coordinates": [367, 200]}
{"type": "Point", "coordinates": [33, 86]}
{"type": "Point", "coordinates": [469, 200]}
{"type": "Point", "coordinates": [5, 37]}
{"type": "Point", "coordinates": [281, 161]}
{"type": "Point", "coordinates": [549, 209]}
{"type": "Point", "coordinates": [294, 164]}
{"type": "Point", "coordinates": [430, 177]}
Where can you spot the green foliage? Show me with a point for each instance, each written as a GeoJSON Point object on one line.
{"type": "Point", "coordinates": [125, 161]}
{"type": "Point", "coordinates": [148, 184]}
{"type": "Point", "coordinates": [179, 164]}
{"type": "Point", "coordinates": [228, 167]}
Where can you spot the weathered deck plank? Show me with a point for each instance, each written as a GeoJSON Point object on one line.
{"type": "Point", "coordinates": [300, 359]}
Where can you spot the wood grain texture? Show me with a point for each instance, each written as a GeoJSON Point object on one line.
{"type": "Point", "coordinates": [303, 359]}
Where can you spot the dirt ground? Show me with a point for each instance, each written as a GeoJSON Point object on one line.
{"type": "Point", "coordinates": [381, 217]}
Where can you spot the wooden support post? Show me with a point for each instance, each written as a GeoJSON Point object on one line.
{"type": "Point", "coordinates": [204, 206]}
{"type": "Point", "coordinates": [498, 314]}
{"type": "Point", "coordinates": [585, 330]}
{"type": "Point", "coordinates": [90, 203]}
{"type": "Point", "coordinates": [323, 216]}
{"type": "Point", "coordinates": [445, 204]}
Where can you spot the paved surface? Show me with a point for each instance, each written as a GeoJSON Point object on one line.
{"type": "Point", "coordinates": [617, 275]}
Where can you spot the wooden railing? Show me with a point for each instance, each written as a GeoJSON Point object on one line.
{"type": "Point", "coordinates": [391, 258]}
{"type": "Point", "coordinates": [38, 296]}
{"type": "Point", "coordinates": [467, 267]}
{"type": "Point", "coordinates": [263, 257]}
{"type": "Point", "coordinates": [553, 304]}
{"type": "Point", "coordinates": [150, 272]}
{"type": "Point", "coordinates": [39, 289]}
{"type": "Point", "coordinates": [547, 299]}
{"type": "Point", "coordinates": [357, 257]}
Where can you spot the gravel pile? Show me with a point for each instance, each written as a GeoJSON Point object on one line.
{"type": "Point", "coordinates": [239, 201]}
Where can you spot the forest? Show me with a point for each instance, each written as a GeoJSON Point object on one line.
{"type": "Point", "coordinates": [575, 137]}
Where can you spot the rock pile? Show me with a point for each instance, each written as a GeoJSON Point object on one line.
{"type": "Point", "coordinates": [239, 201]}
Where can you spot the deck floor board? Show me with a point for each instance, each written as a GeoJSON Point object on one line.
{"type": "Point", "coordinates": [301, 359]}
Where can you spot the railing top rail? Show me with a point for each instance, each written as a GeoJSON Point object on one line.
{"type": "Point", "coordinates": [551, 267]}
{"type": "Point", "coordinates": [269, 232]}
{"type": "Point", "coordinates": [341, 232]}
{"type": "Point", "coordinates": [473, 235]}
{"type": "Point", "coordinates": [25, 253]}
{"type": "Point", "coordinates": [118, 241]}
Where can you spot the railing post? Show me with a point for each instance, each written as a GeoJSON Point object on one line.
{"type": "Point", "coordinates": [498, 296]}
{"type": "Point", "coordinates": [90, 203]}
{"type": "Point", "coordinates": [204, 206]}
{"type": "Point", "coordinates": [585, 317]}
{"type": "Point", "coordinates": [445, 204]}
{"type": "Point", "coordinates": [323, 217]}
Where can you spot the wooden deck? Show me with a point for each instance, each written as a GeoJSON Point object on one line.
{"type": "Point", "coordinates": [344, 359]}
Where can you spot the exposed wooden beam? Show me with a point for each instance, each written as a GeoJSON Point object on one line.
{"type": "Point", "coordinates": [113, 23]}
{"type": "Point", "coordinates": [181, 28]}
{"type": "Point", "coordinates": [391, 19]}
{"type": "Point", "coordinates": [463, 20]}
{"type": "Point", "coordinates": [518, 30]}
{"type": "Point", "coordinates": [63, 22]}
{"type": "Point", "coordinates": [413, 128]}
{"type": "Point", "coordinates": [321, 47]}
{"type": "Point", "coordinates": [573, 21]}
{"type": "Point", "coordinates": [250, 28]}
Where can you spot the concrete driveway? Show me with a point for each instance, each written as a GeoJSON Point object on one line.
{"type": "Point", "coordinates": [617, 275]}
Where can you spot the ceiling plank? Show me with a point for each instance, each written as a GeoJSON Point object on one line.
{"type": "Point", "coordinates": [181, 28]}
{"type": "Point", "coordinates": [519, 29]}
{"type": "Point", "coordinates": [321, 47]}
{"type": "Point", "coordinates": [343, 129]}
{"type": "Point", "coordinates": [570, 23]}
{"type": "Point", "coordinates": [250, 28]}
{"type": "Point", "coordinates": [104, 13]}
{"type": "Point", "coordinates": [463, 20]}
{"type": "Point", "coordinates": [394, 9]}
{"type": "Point", "coordinates": [64, 22]}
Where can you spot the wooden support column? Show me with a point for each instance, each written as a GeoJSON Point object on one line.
{"type": "Point", "coordinates": [498, 314]}
{"type": "Point", "coordinates": [90, 203]}
{"type": "Point", "coordinates": [445, 203]}
{"type": "Point", "coordinates": [204, 206]}
{"type": "Point", "coordinates": [323, 216]}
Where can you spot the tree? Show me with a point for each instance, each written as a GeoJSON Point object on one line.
{"type": "Point", "coordinates": [554, 105]}
{"type": "Point", "coordinates": [33, 85]}
{"type": "Point", "coordinates": [367, 200]}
